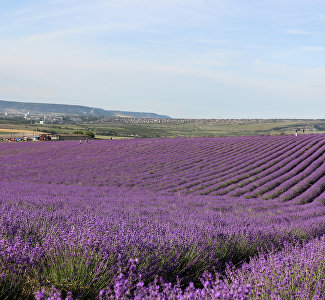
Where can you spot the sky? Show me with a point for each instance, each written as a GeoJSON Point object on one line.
{"type": "Point", "coordinates": [182, 58]}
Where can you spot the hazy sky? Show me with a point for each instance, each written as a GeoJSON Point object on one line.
{"type": "Point", "coordinates": [184, 58]}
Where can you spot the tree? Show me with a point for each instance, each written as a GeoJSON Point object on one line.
{"type": "Point", "coordinates": [78, 132]}
{"type": "Point", "coordinates": [90, 134]}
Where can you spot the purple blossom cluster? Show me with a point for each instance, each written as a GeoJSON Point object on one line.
{"type": "Point", "coordinates": [73, 216]}
{"type": "Point", "coordinates": [296, 272]}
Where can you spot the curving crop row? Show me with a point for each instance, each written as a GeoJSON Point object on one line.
{"type": "Point", "coordinates": [224, 169]}
{"type": "Point", "coordinates": [266, 166]}
{"type": "Point", "coordinates": [278, 160]}
{"type": "Point", "coordinates": [280, 172]}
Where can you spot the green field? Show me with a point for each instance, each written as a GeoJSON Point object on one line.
{"type": "Point", "coordinates": [179, 128]}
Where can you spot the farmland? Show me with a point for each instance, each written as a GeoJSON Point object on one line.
{"type": "Point", "coordinates": [85, 220]}
{"type": "Point", "coordinates": [153, 128]}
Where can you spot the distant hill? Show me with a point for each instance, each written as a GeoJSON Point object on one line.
{"type": "Point", "coordinates": [65, 109]}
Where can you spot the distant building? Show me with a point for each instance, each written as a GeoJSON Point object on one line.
{"type": "Point", "coordinates": [69, 137]}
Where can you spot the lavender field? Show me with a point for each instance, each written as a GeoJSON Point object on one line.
{"type": "Point", "coordinates": [200, 218]}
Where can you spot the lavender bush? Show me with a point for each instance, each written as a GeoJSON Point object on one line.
{"type": "Point", "coordinates": [296, 272]}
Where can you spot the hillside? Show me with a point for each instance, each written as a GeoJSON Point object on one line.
{"type": "Point", "coordinates": [48, 109]}
{"type": "Point", "coordinates": [283, 167]}
{"type": "Point", "coordinates": [85, 217]}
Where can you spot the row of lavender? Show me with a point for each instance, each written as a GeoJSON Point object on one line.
{"type": "Point", "coordinates": [272, 167]}
{"type": "Point", "coordinates": [79, 239]}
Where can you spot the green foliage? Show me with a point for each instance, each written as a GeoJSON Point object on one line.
{"type": "Point", "coordinates": [90, 134]}
{"type": "Point", "coordinates": [78, 132]}
{"type": "Point", "coordinates": [14, 288]}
